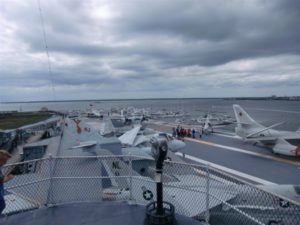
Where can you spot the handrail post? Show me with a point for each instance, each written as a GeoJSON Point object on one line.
{"type": "Point", "coordinates": [207, 214]}
{"type": "Point", "coordinates": [130, 175]}
{"type": "Point", "coordinates": [49, 195]}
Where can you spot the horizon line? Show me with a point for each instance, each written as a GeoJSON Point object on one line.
{"type": "Point", "coordinates": [132, 99]}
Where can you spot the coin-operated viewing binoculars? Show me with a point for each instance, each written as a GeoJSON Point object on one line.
{"type": "Point", "coordinates": [159, 212]}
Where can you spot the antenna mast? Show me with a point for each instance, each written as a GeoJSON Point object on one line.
{"type": "Point", "coordinates": [47, 51]}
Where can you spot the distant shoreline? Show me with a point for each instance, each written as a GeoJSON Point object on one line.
{"type": "Point", "coordinates": [284, 98]}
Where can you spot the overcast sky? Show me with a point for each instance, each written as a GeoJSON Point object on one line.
{"type": "Point", "coordinates": [148, 49]}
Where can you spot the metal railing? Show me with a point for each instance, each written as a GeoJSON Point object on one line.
{"type": "Point", "coordinates": [201, 192]}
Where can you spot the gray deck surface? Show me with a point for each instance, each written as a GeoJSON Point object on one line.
{"type": "Point", "coordinates": [276, 169]}
{"type": "Point", "coordinates": [106, 213]}
{"type": "Point", "coordinates": [268, 169]}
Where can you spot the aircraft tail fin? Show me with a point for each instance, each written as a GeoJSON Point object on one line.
{"type": "Point", "coordinates": [207, 122]}
{"type": "Point", "coordinates": [243, 118]}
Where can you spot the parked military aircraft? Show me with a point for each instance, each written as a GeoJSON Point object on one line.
{"type": "Point", "coordinates": [281, 142]}
{"type": "Point", "coordinates": [95, 114]}
{"type": "Point", "coordinates": [208, 126]}
{"type": "Point", "coordinates": [134, 138]}
{"type": "Point", "coordinates": [210, 121]}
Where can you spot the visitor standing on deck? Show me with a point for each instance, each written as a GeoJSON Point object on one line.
{"type": "Point", "coordinates": [174, 133]}
{"type": "Point", "coordinates": [4, 156]}
{"type": "Point", "coordinates": [193, 132]}
{"type": "Point", "coordinates": [200, 132]}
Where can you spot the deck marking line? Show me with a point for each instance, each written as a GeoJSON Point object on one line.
{"type": "Point", "coordinates": [226, 169]}
{"type": "Point", "coordinates": [245, 151]}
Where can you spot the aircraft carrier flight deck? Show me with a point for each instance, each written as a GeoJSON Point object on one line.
{"type": "Point", "coordinates": [250, 161]}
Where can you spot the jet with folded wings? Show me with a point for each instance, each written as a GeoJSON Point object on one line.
{"type": "Point", "coordinates": [281, 142]}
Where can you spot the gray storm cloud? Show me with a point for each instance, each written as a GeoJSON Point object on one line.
{"type": "Point", "coordinates": [142, 49]}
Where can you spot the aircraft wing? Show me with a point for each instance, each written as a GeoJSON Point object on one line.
{"type": "Point", "coordinates": [264, 139]}
{"type": "Point", "coordinates": [292, 136]}
{"type": "Point", "coordinates": [264, 129]}
{"type": "Point", "coordinates": [286, 191]}
{"type": "Point", "coordinates": [187, 193]}
{"type": "Point", "coordinates": [140, 152]}
{"type": "Point", "coordinates": [184, 186]}
{"type": "Point", "coordinates": [85, 144]}
{"type": "Point", "coordinates": [140, 139]}
{"type": "Point", "coordinates": [128, 137]}
{"type": "Point", "coordinates": [271, 139]}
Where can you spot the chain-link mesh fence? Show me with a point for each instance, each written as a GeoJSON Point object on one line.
{"type": "Point", "coordinates": [233, 201]}
{"type": "Point", "coordinates": [196, 191]}
{"type": "Point", "coordinates": [30, 186]}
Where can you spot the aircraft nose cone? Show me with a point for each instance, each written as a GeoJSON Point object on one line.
{"type": "Point", "coordinates": [176, 145]}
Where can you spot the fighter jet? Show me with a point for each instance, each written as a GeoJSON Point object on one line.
{"type": "Point", "coordinates": [95, 114]}
{"type": "Point", "coordinates": [134, 138]}
{"type": "Point", "coordinates": [281, 142]}
{"type": "Point", "coordinates": [208, 127]}
{"type": "Point", "coordinates": [211, 121]}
